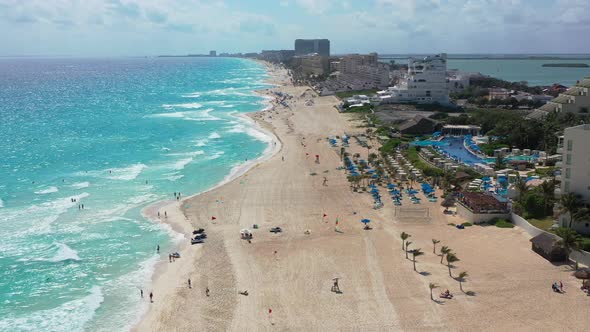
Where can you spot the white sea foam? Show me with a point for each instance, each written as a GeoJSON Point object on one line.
{"type": "Point", "coordinates": [248, 128]}
{"type": "Point", "coordinates": [1, 203]}
{"type": "Point", "coordinates": [70, 316]}
{"type": "Point", "coordinates": [180, 164]}
{"type": "Point", "coordinates": [186, 105]}
{"type": "Point", "coordinates": [202, 115]}
{"type": "Point", "coordinates": [47, 190]}
{"type": "Point", "coordinates": [80, 185]}
{"type": "Point", "coordinates": [189, 154]}
{"type": "Point", "coordinates": [201, 142]}
{"type": "Point", "coordinates": [192, 95]}
{"type": "Point", "coordinates": [214, 135]}
{"type": "Point", "coordinates": [64, 253]}
{"type": "Point", "coordinates": [126, 173]}
{"type": "Point", "coordinates": [173, 177]}
{"type": "Point", "coordinates": [215, 155]}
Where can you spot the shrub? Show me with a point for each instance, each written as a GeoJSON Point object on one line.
{"type": "Point", "coordinates": [502, 223]}
{"type": "Point", "coordinates": [467, 224]}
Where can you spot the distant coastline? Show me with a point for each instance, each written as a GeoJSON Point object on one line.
{"type": "Point", "coordinates": [495, 56]}
{"type": "Point", "coordinates": [567, 65]}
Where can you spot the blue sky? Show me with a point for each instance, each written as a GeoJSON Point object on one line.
{"type": "Point", "coordinates": [151, 27]}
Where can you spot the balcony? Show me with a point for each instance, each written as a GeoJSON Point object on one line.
{"type": "Point", "coordinates": [557, 192]}
{"type": "Point", "coordinates": [559, 164]}
{"type": "Point", "coordinates": [560, 150]}
{"type": "Point", "coordinates": [558, 177]}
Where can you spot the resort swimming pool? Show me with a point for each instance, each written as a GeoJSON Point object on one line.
{"type": "Point", "coordinates": [453, 146]}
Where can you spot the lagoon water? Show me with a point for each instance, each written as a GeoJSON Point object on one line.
{"type": "Point", "coordinates": [115, 135]}
{"type": "Point", "coordinates": [515, 69]}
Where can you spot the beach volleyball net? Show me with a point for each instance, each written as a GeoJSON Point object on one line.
{"type": "Point", "coordinates": [412, 214]}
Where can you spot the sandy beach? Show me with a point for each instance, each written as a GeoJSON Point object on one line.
{"type": "Point", "coordinates": [291, 272]}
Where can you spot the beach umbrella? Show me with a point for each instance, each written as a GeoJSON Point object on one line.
{"type": "Point", "coordinates": [365, 221]}
{"type": "Point", "coordinates": [583, 273]}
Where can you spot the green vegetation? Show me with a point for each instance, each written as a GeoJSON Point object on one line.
{"type": "Point", "coordinates": [501, 223]}
{"type": "Point", "coordinates": [390, 146]}
{"type": "Point", "coordinates": [467, 224]}
{"type": "Point", "coordinates": [544, 223]}
{"type": "Point", "coordinates": [414, 158]}
{"type": "Point", "coordinates": [511, 128]}
{"type": "Point", "coordinates": [490, 147]}
{"type": "Point", "coordinates": [367, 108]}
{"type": "Point", "coordinates": [349, 94]}
{"type": "Point", "coordinates": [543, 171]}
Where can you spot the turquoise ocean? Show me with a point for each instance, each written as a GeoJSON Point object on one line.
{"type": "Point", "coordinates": [115, 135]}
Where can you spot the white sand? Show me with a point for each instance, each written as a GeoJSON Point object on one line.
{"type": "Point", "coordinates": [380, 290]}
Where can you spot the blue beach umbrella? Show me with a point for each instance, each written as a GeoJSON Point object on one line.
{"type": "Point", "coordinates": [365, 221]}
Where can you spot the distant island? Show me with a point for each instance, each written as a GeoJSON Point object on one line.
{"type": "Point", "coordinates": [568, 65]}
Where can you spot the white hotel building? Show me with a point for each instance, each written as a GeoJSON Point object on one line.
{"type": "Point", "coordinates": [575, 169]}
{"type": "Point", "coordinates": [425, 83]}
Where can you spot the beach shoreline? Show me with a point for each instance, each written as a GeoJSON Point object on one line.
{"type": "Point", "coordinates": [173, 209]}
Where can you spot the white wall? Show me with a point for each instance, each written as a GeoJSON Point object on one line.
{"type": "Point", "coordinates": [581, 257]}
{"type": "Point", "coordinates": [479, 218]}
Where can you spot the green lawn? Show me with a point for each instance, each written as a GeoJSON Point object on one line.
{"type": "Point", "coordinates": [543, 224]}
{"type": "Point", "coordinates": [348, 94]}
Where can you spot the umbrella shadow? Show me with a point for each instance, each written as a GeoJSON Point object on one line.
{"type": "Point", "coordinates": [424, 273]}
{"type": "Point", "coordinates": [440, 302]}
{"type": "Point", "coordinates": [470, 293]}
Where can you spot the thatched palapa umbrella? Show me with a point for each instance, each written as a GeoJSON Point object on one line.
{"type": "Point", "coordinates": [582, 274]}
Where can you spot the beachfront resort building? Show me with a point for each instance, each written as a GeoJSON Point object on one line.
{"type": "Point", "coordinates": [312, 64]}
{"type": "Point", "coordinates": [312, 46]}
{"type": "Point", "coordinates": [574, 146]}
{"type": "Point", "coordinates": [425, 83]}
{"type": "Point", "coordinates": [575, 99]}
{"type": "Point", "coordinates": [480, 208]}
{"type": "Point", "coordinates": [357, 72]}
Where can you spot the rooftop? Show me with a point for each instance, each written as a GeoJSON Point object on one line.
{"type": "Point", "coordinates": [482, 203]}
{"type": "Point", "coordinates": [585, 83]}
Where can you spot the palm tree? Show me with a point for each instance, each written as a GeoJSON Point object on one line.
{"type": "Point", "coordinates": [444, 251]}
{"type": "Point", "coordinates": [521, 188]}
{"type": "Point", "coordinates": [499, 163]}
{"type": "Point", "coordinates": [416, 253]}
{"type": "Point", "coordinates": [570, 240]}
{"type": "Point", "coordinates": [548, 191]}
{"type": "Point", "coordinates": [581, 214]}
{"type": "Point", "coordinates": [432, 286]}
{"type": "Point", "coordinates": [451, 258]}
{"type": "Point", "coordinates": [434, 242]}
{"type": "Point", "coordinates": [404, 237]}
{"type": "Point", "coordinates": [407, 246]}
{"type": "Point", "coordinates": [461, 278]}
{"type": "Point", "coordinates": [569, 205]}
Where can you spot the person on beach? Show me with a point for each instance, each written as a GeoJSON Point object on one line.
{"type": "Point", "coordinates": [165, 214]}
{"type": "Point", "coordinates": [151, 297]}
{"type": "Point", "coordinates": [158, 249]}
{"type": "Point", "coordinates": [207, 291]}
{"type": "Point", "coordinates": [561, 286]}
{"type": "Point", "coordinates": [141, 293]}
{"type": "Point", "coordinates": [82, 206]}
{"type": "Point", "coordinates": [170, 258]}
{"type": "Point", "coordinates": [325, 184]}
{"type": "Point", "coordinates": [175, 194]}
{"type": "Point", "coordinates": [158, 214]}
{"type": "Point", "coordinates": [283, 157]}
{"type": "Point", "coordinates": [189, 283]}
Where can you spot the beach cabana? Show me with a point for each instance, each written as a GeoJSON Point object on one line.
{"type": "Point", "coordinates": [546, 245]}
